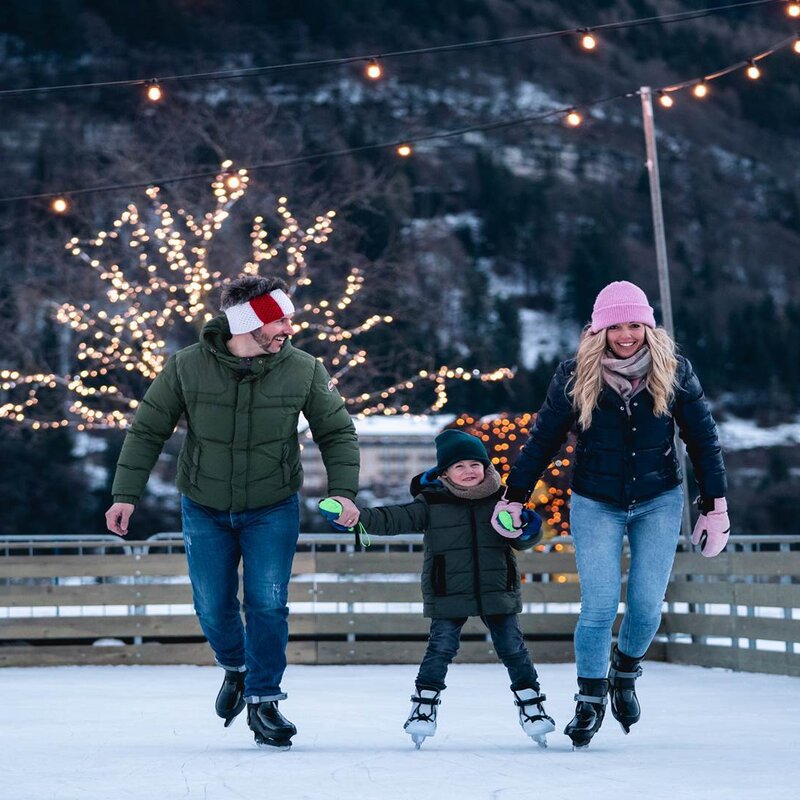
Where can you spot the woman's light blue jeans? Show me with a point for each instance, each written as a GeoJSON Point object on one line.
{"type": "Point", "coordinates": [264, 540]}
{"type": "Point", "coordinates": [652, 527]}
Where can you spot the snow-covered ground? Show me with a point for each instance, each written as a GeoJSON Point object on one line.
{"type": "Point", "coordinates": [744, 434]}
{"type": "Point", "coordinates": [122, 733]}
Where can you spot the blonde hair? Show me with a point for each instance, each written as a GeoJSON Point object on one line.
{"type": "Point", "coordinates": [587, 383]}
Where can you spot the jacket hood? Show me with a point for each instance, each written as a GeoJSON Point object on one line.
{"type": "Point", "coordinates": [427, 481]}
{"type": "Point", "coordinates": [215, 336]}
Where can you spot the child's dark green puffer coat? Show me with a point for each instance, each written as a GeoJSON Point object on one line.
{"type": "Point", "coordinates": [468, 568]}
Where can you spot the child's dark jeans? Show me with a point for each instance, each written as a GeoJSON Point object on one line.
{"type": "Point", "coordinates": [508, 643]}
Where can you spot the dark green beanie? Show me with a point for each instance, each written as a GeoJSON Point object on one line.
{"type": "Point", "coordinates": [453, 445]}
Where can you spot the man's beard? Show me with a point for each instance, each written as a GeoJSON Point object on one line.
{"type": "Point", "coordinates": [264, 341]}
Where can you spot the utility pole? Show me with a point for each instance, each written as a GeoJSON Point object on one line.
{"type": "Point", "coordinates": [662, 265]}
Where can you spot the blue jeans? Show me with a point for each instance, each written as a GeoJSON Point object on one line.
{"type": "Point", "coordinates": [508, 644]}
{"type": "Point", "coordinates": [653, 527]}
{"type": "Point", "coordinates": [264, 540]}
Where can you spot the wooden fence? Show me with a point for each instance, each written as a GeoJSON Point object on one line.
{"type": "Point", "coordinates": [105, 601]}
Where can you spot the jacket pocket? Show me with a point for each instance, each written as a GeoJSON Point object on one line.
{"type": "Point", "coordinates": [195, 469]}
{"type": "Point", "coordinates": [438, 576]}
{"type": "Point", "coordinates": [286, 469]}
{"type": "Point", "coordinates": [511, 572]}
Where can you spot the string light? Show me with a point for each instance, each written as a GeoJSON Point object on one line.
{"type": "Point", "coordinates": [154, 92]}
{"type": "Point", "coordinates": [793, 9]}
{"type": "Point", "coordinates": [60, 205]}
{"type": "Point", "coordinates": [588, 40]}
{"type": "Point", "coordinates": [753, 72]}
{"type": "Point", "coordinates": [699, 88]}
{"type": "Point", "coordinates": [573, 118]}
{"type": "Point", "coordinates": [665, 99]}
{"type": "Point", "coordinates": [374, 71]}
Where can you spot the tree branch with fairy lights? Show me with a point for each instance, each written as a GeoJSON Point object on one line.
{"type": "Point", "coordinates": [157, 284]}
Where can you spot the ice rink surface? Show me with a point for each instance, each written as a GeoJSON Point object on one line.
{"type": "Point", "coordinates": [150, 733]}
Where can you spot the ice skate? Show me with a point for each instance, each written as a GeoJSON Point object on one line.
{"type": "Point", "coordinates": [589, 712]}
{"type": "Point", "coordinates": [270, 728]}
{"type": "Point", "coordinates": [532, 717]}
{"type": "Point", "coordinates": [622, 677]}
{"type": "Point", "coordinates": [230, 700]}
{"type": "Point", "coordinates": [421, 722]}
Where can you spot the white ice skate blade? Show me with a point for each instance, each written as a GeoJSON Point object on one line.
{"type": "Point", "coordinates": [541, 740]}
{"type": "Point", "coordinates": [418, 739]}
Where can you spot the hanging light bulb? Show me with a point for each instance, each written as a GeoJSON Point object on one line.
{"type": "Point", "coordinates": [60, 205]}
{"type": "Point", "coordinates": [793, 9]}
{"type": "Point", "coordinates": [588, 40]}
{"type": "Point", "coordinates": [374, 71]}
{"type": "Point", "coordinates": [404, 150]}
{"type": "Point", "coordinates": [233, 181]}
{"type": "Point", "coordinates": [700, 89]}
{"type": "Point", "coordinates": [573, 118]}
{"type": "Point", "coordinates": [753, 72]}
{"type": "Point", "coordinates": [665, 99]}
{"type": "Point", "coordinates": [796, 46]}
{"type": "Point", "coordinates": [154, 92]}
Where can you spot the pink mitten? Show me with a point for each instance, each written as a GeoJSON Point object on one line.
{"type": "Point", "coordinates": [515, 510]}
{"type": "Point", "coordinates": [713, 527]}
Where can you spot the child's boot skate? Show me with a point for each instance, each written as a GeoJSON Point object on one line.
{"type": "Point", "coordinates": [421, 722]}
{"type": "Point", "coordinates": [532, 717]}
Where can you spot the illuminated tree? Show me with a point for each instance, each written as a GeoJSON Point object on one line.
{"type": "Point", "coordinates": [157, 288]}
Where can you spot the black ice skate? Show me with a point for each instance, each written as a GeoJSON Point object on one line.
{"type": "Point", "coordinates": [421, 722]}
{"type": "Point", "coordinates": [589, 712]}
{"type": "Point", "coordinates": [230, 700]}
{"type": "Point", "coordinates": [532, 717]}
{"type": "Point", "coordinates": [270, 728]}
{"type": "Point", "coordinates": [622, 677]}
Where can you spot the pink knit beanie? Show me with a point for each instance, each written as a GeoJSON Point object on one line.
{"type": "Point", "coordinates": [620, 302]}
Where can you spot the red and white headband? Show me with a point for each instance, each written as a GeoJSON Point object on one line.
{"type": "Point", "coordinates": [259, 311]}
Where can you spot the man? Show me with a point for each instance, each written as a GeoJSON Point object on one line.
{"type": "Point", "coordinates": [241, 389]}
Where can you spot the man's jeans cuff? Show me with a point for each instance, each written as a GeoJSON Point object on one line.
{"type": "Point", "coordinates": [265, 698]}
{"type": "Point", "coordinates": [230, 669]}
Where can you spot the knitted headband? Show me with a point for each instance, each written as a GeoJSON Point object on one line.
{"type": "Point", "coordinates": [261, 310]}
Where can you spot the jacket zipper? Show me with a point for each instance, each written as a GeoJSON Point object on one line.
{"type": "Point", "coordinates": [476, 572]}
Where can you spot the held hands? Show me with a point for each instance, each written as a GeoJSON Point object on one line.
{"type": "Point", "coordinates": [515, 510]}
{"type": "Point", "coordinates": [340, 512]}
{"type": "Point", "coordinates": [713, 527]}
{"type": "Point", "coordinates": [117, 518]}
{"type": "Point", "coordinates": [350, 514]}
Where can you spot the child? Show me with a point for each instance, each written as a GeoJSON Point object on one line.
{"type": "Point", "coordinates": [468, 570]}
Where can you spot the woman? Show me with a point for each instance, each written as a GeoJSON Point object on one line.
{"type": "Point", "coordinates": [624, 391]}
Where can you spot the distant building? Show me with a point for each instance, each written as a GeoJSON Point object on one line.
{"type": "Point", "coordinates": [393, 450]}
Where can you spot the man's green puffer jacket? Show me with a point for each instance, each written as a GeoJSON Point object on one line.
{"type": "Point", "coordinates": [468, 569]}
{"type": "Point", "coordinates": [241, 450]}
